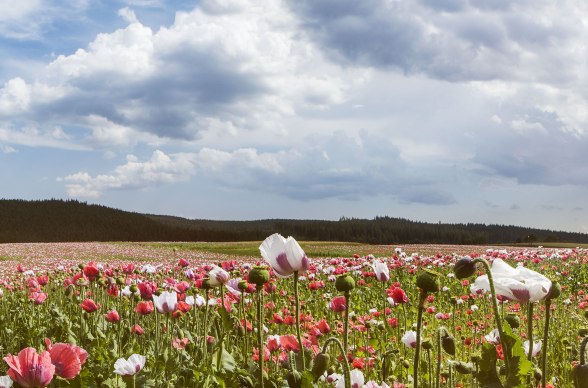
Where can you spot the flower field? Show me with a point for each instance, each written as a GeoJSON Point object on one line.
{"type": "Point", "coordinates": [174, 315]}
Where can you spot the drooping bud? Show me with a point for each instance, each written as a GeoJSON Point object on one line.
{"type": "Point", "coordinates": [554, 291]}
{"type": "Point", "coordinates": [344, 283]}
{"type": "Point", "coordinates": [294, 379]}
{"type": "Point", "coordinates": [464, 268]}
{"type": "Point", "coordinates": [463, 368]}
{"type": "Point", "coordinates": [206, 284]}
{"type": "Point", "coordinates": [427, 344]}
{"type": "Point", "coordinates": [259, 276]}
{"type": "Point", "coordinates": [513, 320]}
{"type": "Point", "coordinates": [448, 344]}
{"type": "Point", "coordinates": [428, 281]}
{"type": "Point", "coordinates": [320, 365]}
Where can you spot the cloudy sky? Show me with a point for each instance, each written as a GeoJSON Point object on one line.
{"type": "Point", "coordinates": [432, 110]}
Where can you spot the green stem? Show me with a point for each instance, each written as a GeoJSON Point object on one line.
{"type": "Point", "coordinates": [417, 351]}
{"type": "Point", "coordinates": [346, 325]}
{"type": "Point", "coordinates": [205, 328]}
{"type": "Point", "coordinates": [439, 356]}
{"type": "Point", "coordinates": [298, 319]}
{"type": "Point", "coordinates": [344, 355]}
{"type": "Point", "coordinates": [495, 306]}
{"type": "Point", "coordinates": [545, 336]}
{"type": "Point", "coordinates": [260, 333]}
{"type": "Point", "coordinates": [385, 366]}
{"type": "Point", "coordinates": [530, 330]}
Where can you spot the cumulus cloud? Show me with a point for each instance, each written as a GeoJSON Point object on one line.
{"type": "Point", "coordinates": [241, 65]}
{"type": "Point", "coordinates": [335, 166]}
{"type": "Point", "coordinates": [134, 174]}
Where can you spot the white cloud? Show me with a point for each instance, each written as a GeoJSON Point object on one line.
{"type": "Point", "coordinates": [237, 65]}
{"type": "Point", "coordinates": [159, 169]}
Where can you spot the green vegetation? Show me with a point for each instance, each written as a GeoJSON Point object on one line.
{"type": "Point", "coordinates": [56, 220]}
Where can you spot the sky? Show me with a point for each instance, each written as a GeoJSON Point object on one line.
{"type": "Point", "coordinates": [432, 110]}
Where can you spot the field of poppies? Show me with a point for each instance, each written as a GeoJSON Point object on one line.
{"type": "Point", "coordinates": [174, 315]}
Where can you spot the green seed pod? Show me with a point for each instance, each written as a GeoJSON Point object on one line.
{"type": "Point", "coordinates": [428, 281]}
{"type": "Point", "coordinates": [345, 283]}
{"type": "Point", "coordinates": [259, 275]}
{"type": "Point", "coordinates": [101, 282]}
{"type": "Point", "coordinates": [120, 281]}
{"type": "Point", "coordinates": [294, 379]}
{"type": "Point", "coordinates": [320, 365]}
{"type": "Point", "coordinates": [406, 364]}
{"type": "Point", "coordinates": [513, 320]}
{"type": "Point", "coordinates": [463, 368]}
{"type": "Point", "coordinates": [554, 291]}
{"type": "Point", "coordinates": [448, 344]}
{"type": "Point", "coordinates": [133, 288]}
{"type": "Point", "coordinates": [81, 266]}
{"type": "Point", "coordinates": [464, 268]}
{"type": "Point", "coordinates": [243, 285]}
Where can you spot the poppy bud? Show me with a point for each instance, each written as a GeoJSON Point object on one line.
{"type": "Point", "coordinates": [406, 364]}
{"type": "Point", "coordinates": [294, 379]}
{"type": "Point", "coordinates": [133, 288]}
{"type": "Point", "coordinates": [259, 275]}
{"type": "Point", "coordinates": [426, 344]}
{"type": "Point", "coordinates": [463, 368]}
{"type": "Point", "coordinates": [448, 344]}
{"type": "Point", "coordinates": [206, 285]}
{"type": "Point", "coordinates": [581, 376]}
{"type": "Point", "coordinates": [344, 283]}
{"type": "Point", "coordinates": [320, 365]}
{"type": "Point", "coordinates": [583, 332]}
{"type": "Point", "coordinates": [120, 281]}
{"type": "Point", "coordinates": [464, 268]}
{"type": "Point", "coordinates": [81, 266]}
{"type": "Point", "coordinates": [537, 374]}
{"type": "Point", "coordinates": [554, 291]}
{"type": "Point", "coordinates": [428, 281]}
{"type": "Point", "coordinates": [476, 358]}
{"type": "Point", "coordinates": [242, 285]}
{"type": "Point", "coordinates": [513, 320]}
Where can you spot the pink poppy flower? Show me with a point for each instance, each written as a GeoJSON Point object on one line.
{"type": "Point", "coordinates": [338, 304]}
{"type": "Point", "coordinates": [89, 306]}
{"type": "Point", "coordinates": [30, 369]}
{"type": "Point", "coordinates": [67, 358]}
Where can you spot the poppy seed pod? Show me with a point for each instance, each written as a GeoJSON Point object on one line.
{"type": "Point", "coordinates": [294, 379]}
{"type": "Point", "coordinates": [428, 281]}
{"type": "Point", "coordinates": [554, 291]}
{"type": "Point", "coordinates": [427, 345]}
{"type": "Point", "coordinates": [464, 268]}
{"type": "Point", "coordinates": [259, 275]}
{"type": "Point", "coordinates": [242, 285]}
{"type": "Point", "coordinates": [344, 283]}
{"type": "Point", "coordinates": [320, 365]}
{"type": "Point", "coordinates": [513, 320]}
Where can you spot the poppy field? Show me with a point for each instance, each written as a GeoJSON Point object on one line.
{"type": "Point", "coordinates": [292, 314]}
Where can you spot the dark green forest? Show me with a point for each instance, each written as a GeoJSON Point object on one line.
{"type": "Point", "coordinates": [58, 220]}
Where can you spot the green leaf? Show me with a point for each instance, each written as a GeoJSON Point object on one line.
{"type": "Point", "coordinates": [520, 367]}
{"type": "Point", "coordinates": [487, 374]}
{"type": "Point", "coordinates": [227, 361]}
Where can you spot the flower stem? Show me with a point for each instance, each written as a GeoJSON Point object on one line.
{"type": "Point", "coordinates": [496, 313]}
{"type": "Point", "coordinates": [344, 355]}
{"type": "Point", "coordinates": [298, 319]}
{"type": "Point", "coordinates": [260, 333]}
{"type": "Point", "coordinates": [417, 352]}
{"type": "Point", "coordinates": [346, 326]}
{"type": "Point", "coordinates": [530, 330]}
{"type": "Point", "coordinates": [545, 336]}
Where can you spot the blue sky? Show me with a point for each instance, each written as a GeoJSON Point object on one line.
{"type": "Point", "coordinates": [432, 110]}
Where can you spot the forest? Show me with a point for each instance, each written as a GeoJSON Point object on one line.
{"type": "Point", "coordinates": [70, 220]}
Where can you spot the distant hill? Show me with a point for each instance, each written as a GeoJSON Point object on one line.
{"type": "Point", "coordinates": [58, 220]}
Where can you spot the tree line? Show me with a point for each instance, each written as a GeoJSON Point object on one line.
{"type": "Point", "coordinates": [71, 220]}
